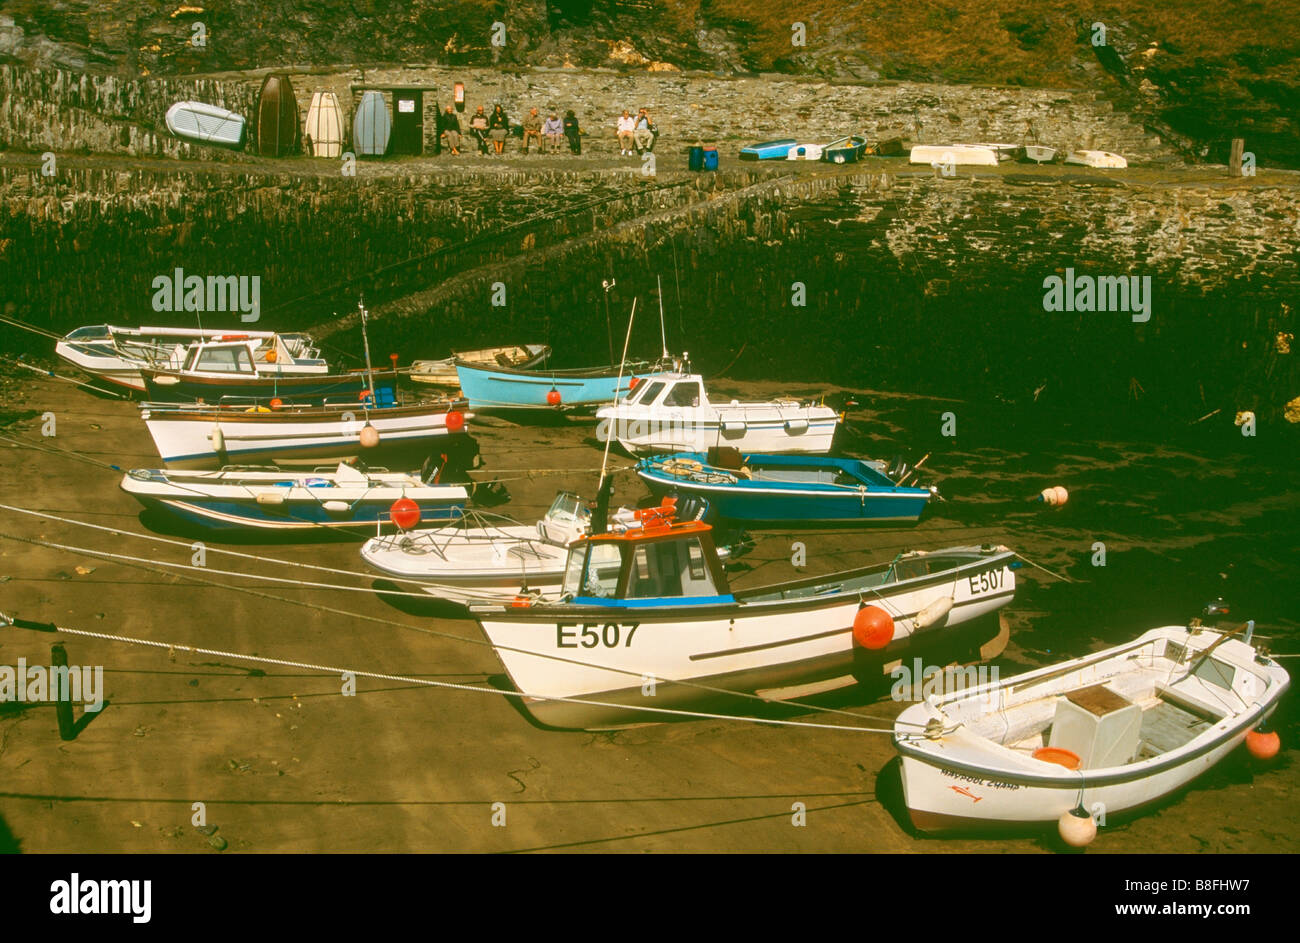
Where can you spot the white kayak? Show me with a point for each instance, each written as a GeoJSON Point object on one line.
{"type": "Point", "coordinates": [1115, 731]}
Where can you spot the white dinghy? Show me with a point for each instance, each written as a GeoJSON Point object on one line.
{"type": "Point", "coordinates": [1119, 730]}
{"type": "Point", "coordinates": [979, 155]}
{"type": "Point", "coordinates": [673, 413]}
{"type": "Point", "coordinates": [1104, 160]}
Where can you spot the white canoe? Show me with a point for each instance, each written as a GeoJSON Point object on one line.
{"type": "Point", "coordinates": [325, 125]}
{"type": "Point", "coordinates": [966, 154]}
{"type": "Point", "coordinates": [205, 123]}
{"type": "Point", "coordinates": [673, 413]}
{"type": "Point", "coordinates": [1100, 159]}
{"type": "Point", "coordinates": [1139, 721]}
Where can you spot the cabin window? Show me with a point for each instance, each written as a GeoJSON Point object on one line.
{"type": "Point", "coordinates": [684, 394]}
{"type": "Point", "coordinates": [650, 393]}
{"type": "Point", "coordinates": [601, 577]}
{"type": "Point", "coordinates": [670, 568]}
{"type": "Point", "coordinates": [225, 360]}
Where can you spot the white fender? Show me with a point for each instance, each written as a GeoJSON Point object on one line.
{"type": "Point", "coordinates": [270, 497]}
{"type": "Point", "coordinates": [336, 507]}
{"type": "Point", "coordinates": [932, 614]}
{"type": "Point", "coordinates": [218, 438]}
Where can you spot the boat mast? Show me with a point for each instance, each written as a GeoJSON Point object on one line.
{"type": "Point", "coordinates": [598, 519]}
{"type": "Point", "coordinates": [607, 284]}
{"type": "Point", "coordinates": [365, 343]}
{"type": "Point", "coordinates": [663, 337]}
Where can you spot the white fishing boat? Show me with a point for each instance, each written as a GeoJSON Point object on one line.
{"type": "Point", "coordinates": [673, 413]}
{"type": "Point", "coordinates": [211, 369]}
{"type": "Point", "coordinates": [270, 499]}
{"type": "Point", "coordinates": [1003, 152]}
{"type": "Point", "coordinates": [653, 607]}
{"type": "Point", "coordinates": [954, 154]}
{"type": "Point", "coordinates": [207, 124]}
{"type": "Point", "coordinates": [211, 436]}
{"type": "Point", "coordinates": [1118, 730]}
{"type": "Point", "coordinates": [1101, 159]}
{"type": "Point", "coordinates": [117, 354]}
{"type": "Point", "coordinates": [443, 372]}
{"type": "Point", "coordinates": [492, 558]}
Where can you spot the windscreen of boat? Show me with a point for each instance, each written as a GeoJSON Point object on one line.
{"type": "Point", "coordinates": [686, 394]}
{"type": "Point", "coordinates": [670, 569]}
{"type": "Point", "coordinates": [648, 393]}
{"type": "Point", "coordinates": [592, 570]}
{"type": "Point", "coordinates": [223, 360]}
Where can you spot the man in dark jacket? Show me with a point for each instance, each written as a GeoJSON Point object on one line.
{"type": "Point", "coordinates": [573, 132]}
{"type": "Point", "coordinates": [449, 130]}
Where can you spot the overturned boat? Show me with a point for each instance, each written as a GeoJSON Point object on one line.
{"type": "Point", "coordinates": [653, 607]}
{"type": "Point", "coordinates": [346, 497]}
{"type": "Point", "coordinates": [1101, 159]}
{"type": "Point", "coordinates": [954, 154]}
{"type": "Point", "coordinates": [1121, 729]}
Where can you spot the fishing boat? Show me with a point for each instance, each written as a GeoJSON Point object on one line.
{"type": "Point", "coordinates": [1100, 159]}
{"type": "Point", "coordinates": [246, 368]}
{"type": "Point", "coordinates": [653, 608]}
{"type": "Point", "coordinates": [346, 497]}
{"type": "Point", "coordinates": [845, 150]}
{"type": "Point", "coordinates": [511, 388]}
{"type": "Point", "coordinates": [443, 372]}
{"type": "Point", "coordinates": [672, 412]}
{"type": "Point", "coordinates": [786, 488]}
{"type": "Point", "coordinates": [953, 154]}
{"type": "Point", "coordinates": [1121, 729]}
{"type": "Point", "coordinates": [210, 436]}
{"type": "Point", "coordinates": [489, 557]}
{"type": "Point", "coordinates": [207, 124]}
{"type": "Point", "coordinates": [117, 354]}
{"type": "Point", "coordinates": [768, 150]}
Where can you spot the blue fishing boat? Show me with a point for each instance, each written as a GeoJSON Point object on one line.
{"type": "Point", "coordinates": [506, 388]}
{"type": "Point", "coordinates": [786, 488]}
{"type": "Point", "coordinates": [768, 150]}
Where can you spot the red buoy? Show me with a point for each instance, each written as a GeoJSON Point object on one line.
{"type": "Point", "coordinates": [393, 358]}
{"type": "Point", "coordinates": [455, 421]}
{"type": "Point", "coordinates": [873, 628]}
{"type": "Point", "coordinates": [365, 395]}
{"type": "Point", "coordinates": [1263, 744]}
{"type": "Point", "coordinates": [276, 403]}
{"type": "Point", "coordinates": [553, 398]}
{"type": "Point", "coordinates": [405, 513]}
{"type": "Point", "coordinates": [631, 384]}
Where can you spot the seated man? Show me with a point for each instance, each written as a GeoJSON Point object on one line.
{"type": "Point", "coordinates": [533, 130]}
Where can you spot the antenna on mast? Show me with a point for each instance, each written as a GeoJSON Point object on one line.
{"type": "Point", "coordinates": [663, 337]}
{"type": "Point", "coordinates": [608, 284]}
{"type": "Point", "coordinates": [365, 341]}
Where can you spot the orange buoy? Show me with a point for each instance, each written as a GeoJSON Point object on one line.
{"type": "Point", "coordinates": [1058, 755]}
{"type": "Point", "coordinates": [1076, 827]}
{"type": "Point", "coordinates": [521, 602]}
{"type": "Point", "coordinates": [1263, 743]}
{"type": "Point", "coordinates": [365, 395]}
{"type": "Point", "coordinates": [271, 356]}
{"type": "Point", "coordinates": [276, 403]}
{"type": "Point", "coordinates": [873, 627]}
{"type": "Point", "coordinates": [553, 397]}
{"type": "Point", "coordinates": [369, 436]}
{"type": "Point", "coordinates": [455, 421]}
{"type": "Point", "coordinates": [1061, 496]}
{"type": "Point", "coordinates": [405, 513]}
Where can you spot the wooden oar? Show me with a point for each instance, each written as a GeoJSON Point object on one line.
{"type": "Point", "coordinates": [912, 470]}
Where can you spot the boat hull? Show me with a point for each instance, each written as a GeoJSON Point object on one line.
{"type": "Point", "coordinates": [774, 431]}
{"type": "Point", "coordinates": [189, 439]}
{"type": "Point", "coordinates": [514, 389]}
{"type": "Point", "coordinates": [963, 154]}
{"type": "Point", "coordinates": [176, 387]}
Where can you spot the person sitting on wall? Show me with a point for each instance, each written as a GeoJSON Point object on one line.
{"type": "Point", "coordinates": [533, 130]}
{"type": "Point", "coordinates": [498, 129]}
{"type": "Point", "coordinates": [645, 132]}
{"type": "Point", "coordinates": [573, 132]}
{"type": "Point", "coordinates": [450, 128]}
{"type": "Point", "coordinates": [626, 129]}
{"type": "Point", "coordinates": [478, 126]}
{"type": "Point", "coordinates": [554, 131]}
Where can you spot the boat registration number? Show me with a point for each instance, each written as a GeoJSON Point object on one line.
{"type": "Point", "coordinates": [985, 582]}
{"type": "Point", "coordinates": [584, 635]}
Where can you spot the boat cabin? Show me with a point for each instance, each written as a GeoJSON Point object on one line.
{"type": "Point", "coordinates": [669, 391]}
{"type": "Point", "coordinates": [673, 564]}
{"type": "Point", "coordinates": [250, 356]}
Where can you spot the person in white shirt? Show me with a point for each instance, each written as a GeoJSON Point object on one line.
{"type": "Point", "coordinates": [626, 128]}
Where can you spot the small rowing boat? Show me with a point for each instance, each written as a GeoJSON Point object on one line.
{"type": "Point", "coordinates": [786, 488]}
{"type": "Point", "coordinates": [271, 499]}
{"type": "Point", "coordinates": [768, 150]}
{"type": "Point", "coordinates": [443, 372]}
{"type": "Point", "coordinates": [954, 154]}
{"type": "Point", "coordinates": [1120, 729]}
{"type": "Point", "coordinates": [1100, 159]}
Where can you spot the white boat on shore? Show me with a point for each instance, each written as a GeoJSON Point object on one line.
{"type": "Point", "coordinates": [954, 154]}
{"type": "Point", "coordinates": [1120, 729]}
{"type": "Point", "coordinates": [443, 372]}
{"type": "Point", "coordinates": [207, 124]}
{"type": "Point", "coordinates": [117, 354]}
{"type": "Point", "coordinates": [1038, 154]}
{"type": "Point", "coordinates": [673, 413]}
{"type": "Point", "coordinates": [1003, 152]}
{"type": "Point", "coordinates": [1101, 159]}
